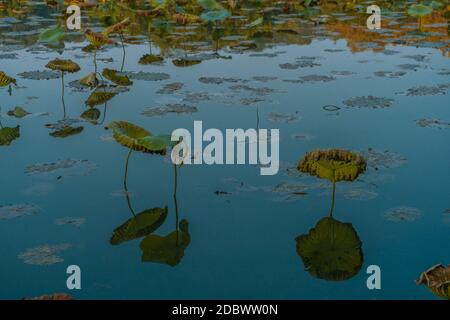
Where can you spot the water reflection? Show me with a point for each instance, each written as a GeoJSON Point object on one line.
{"type": "Point", "coordinates": [332, 249]}
{"type": "Point", "coordinates": [167, 249]}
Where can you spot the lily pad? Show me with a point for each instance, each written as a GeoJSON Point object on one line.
{"type": "Point", "coordinates": [8, 135]}
{"type": "Point", "coordinates": [18, 210]}
{"type": "Point", "coordinates": [177, 108]}
{"type": "Point", "coordinates": [40, 75]}
{"type": "Point", "coordinates": [18, 112]}
{"type": "Point", "coordinates": [399, 214]}
{"type": "Point", "coordinates": [44, 255]}
{"type": "Point", "coordinates": [369, 102]}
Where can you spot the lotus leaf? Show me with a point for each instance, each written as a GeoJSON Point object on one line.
{"type": "Point", "coordinates": [18, 112]}
{"type": "Point", "coordinates": [140, 225]}
{"type": "Point", "coordinates": [115, 77]}
{"type": "Point", "coordinates": [99, 96]}
{"type": "Point", "coordinates": [419, 10]}
{"type": "Point", "coordinates": [52, 35]}
{"type": "Point", "coordinates": [90, 80]}
{"type": "Point", "coordinates": [97, 39]}
{"type": "Point", "coordinates": [331, 250]}
{"type": "Point", "coordinates": [215, 15]}
{"type": "Point", "coordinates": [91, 115]}
{"type": "Point", "coordinates": [334, 164]}
{"type": "Point", "coordinates": [185, 62]}
{"type": "Point", "coordinates": [150, 58]}
{"type": "Point", "coordinates": [66, 132]}
{"type": "Point", "coordinates": [6, 80]}
{"type": "Point", "coordinates": [63, 65]}
{"type": "Point", "coordinates": [7, 135]}
{"type": "Point", "coordinates": [117, 28]}
{"type": "Point", "coordinates": [167, 250]}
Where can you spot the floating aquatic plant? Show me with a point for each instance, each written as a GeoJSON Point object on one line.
{"type": "Point", "coordinates": [115, 77]}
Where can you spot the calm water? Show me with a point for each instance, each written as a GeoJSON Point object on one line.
{"type": "Point", "coordinates": [242, 226]}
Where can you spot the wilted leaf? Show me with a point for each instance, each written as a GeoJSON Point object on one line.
{"type": "Point", "coordinates": [18, 112]}
{"type": "Point", "coordinates": [6, 80]}
{"type": "Point", "coordinates": [115, 77]}
{"type": "Point", "coordinates": [150, 58]}
{"type": "Point", "coordinates": [99, 96]}
{"type": "Point", "coordinates": [437, 279]}
{"type": "Point", "coordinates": [63, 65]}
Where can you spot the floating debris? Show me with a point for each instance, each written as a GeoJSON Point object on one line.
{"type": "Point", "coordinates": [178, 108]}
{"type": "Point", "coordinates": [69, 167]}
{"type": "Point", "coordinates": [264, 79]}
{"type": "Point", "coordinates": [18, 210]}
{"type": "Point", "coordinates": [146, 76]}
{"type": "Point", "coordinates": [398, 214]}
{"type": "Point", "coordinates": [170, 88]}
{"type": "Point", "coordinates": [54, 296]}
{"type": "Point", "coordinates": [40, 75]}
{"type": "Point", "coordinates": [219, 80]}
{"type": "Point", "coordinates": [433, 123]}
{"type": "Point", "coordinates": [369, 102]}
{"type": "Point", "coordinates": [254, 90]}
{"type": "Point", "coordinates": [195, 97]}
{"type": "Point", "coordinates": [390, 74]}
{"type": "Point", "coordinates": [360, 194]}
{"type": "Point", "coordinates": [342, 73]}
{"type": "Point", "coordinates": [283, 117]}
{"type": "Point", "coordinates": [331, 108]}
{"type": "Point", "coordinates": [316, 78]}
{"type": "Point", "coordinates": [440, 89]}
{"type": "Point", "coordinates": [386, 159]}
{"type": "Point", "coordinates": [44, 255]}
{"type": "Point", "coordinates": [74, 221]}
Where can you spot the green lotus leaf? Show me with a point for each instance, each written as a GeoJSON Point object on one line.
{"type": "Point", "coordinates": [91, 115]}
{"type": "Point", "coordinates": [331, 250]}
{"type": "Point", "coordinates": [437, 279]}
{"type": "Point", "coordinates": [18, 112]}
{"type": "Point", "coordinates": [90, 80]}
{"type": "Point", "coordinates": [67, 131]}
{"type": "Point", "coordinates": [210, 4]}
{"type": "Point", "coordinates": [51, 35]}
{"type": "Point", "coordinates": [141, 225]}
{"type": "Point", "coordinates": [419, 10]}
{"type": "Point", "coordinates": [157, 144]}
{"type": "Point", "coordinates": [100, 97]}
{"type": "Point", "coordinates": [215, 15]}
{"type": "Point", "coordinates": [150, 58]}
{"type": "Point", "coordinates": [256, 22]}
{"type": "Point", "coordinates": [63, 65]}
{"type": "Point", "coordinates": [333, 164]}
{"type": "Point", "coordinates": [115, 77]}
{"type": "Point", "coordinates": [168, 249]}
{"type": "Point", "coordinates": [117, 28]}
{"type": "Point", "coordinates": [128, 134]}
{"type": "Point", "coordinates": [97, 39]}
{"type": "Point", "coordinates": [185, 62]}
{"type": "Point", "coordinates": [7, 135]}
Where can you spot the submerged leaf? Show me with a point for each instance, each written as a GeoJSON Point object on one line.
{"type": "Point", "coordinates": [66, 132]}
{"type": "Point", "coordinates": [333, 164]}
{"type": "Point", "coordinates": [168, 249]}
{"type": "Point", "coordinates": [18, 112]}
{"type": "Point", "coordinates": [141, 225]}
{"type": "Point", "coordinates": [331, 250]}
{"type": "Point", "coordinates": [185, 62]}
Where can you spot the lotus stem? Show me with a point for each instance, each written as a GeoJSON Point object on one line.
{"type": "Point", "coordinates": [125, 182]}
{"type": "Point", "coordinates": [332, 200]}
{"type": "Point", "coordinates": [175, 183]}
{"type": "Point", "coordinates": [95, 61]}
{"type": "Point", "coordinates": [123, 49]}
{"type": "Point", "coordinates": [62, 94]}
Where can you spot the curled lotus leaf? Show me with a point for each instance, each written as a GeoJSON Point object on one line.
{"type": "Point", "coordinates": [97, 39]}
{"type": "Point", "coordinates": [90, 80]}
{"type": "Point", "coordinates": [185, 62]}
{"type": "Point", "coordinates": [63, 65]}
{"type": "Point", "coordinates": [115, 77]}
{"type": "Point", "coordinates": [7, 135]}
{"type": "Point", "coordinates": [331, 250]}
{"type": "Point", "coordinates": [66, 131]}
{"type": "Point", "coordinates": [99, 96]}
{"type": "Point", "coordinates": [139, 226]}
{"type": "Point", "coordinates": [168, 249]}
{"type": "Point", "coordinates": [91, 115]}
{"type": "Point", "coordinates": [333, 164]}
{"type": "Point", "coordinates": [6, 80]}
{"type": "Point", "coordinates": [136, 138]}
{"type": "Point", "coordinates": [150, 58]}
{"type": "Point", "coordinates": [437, 279]}
{"type": "Point", "coordinates": [117, 28]}
{"type": "Point", "coordinates": [52, 35]}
